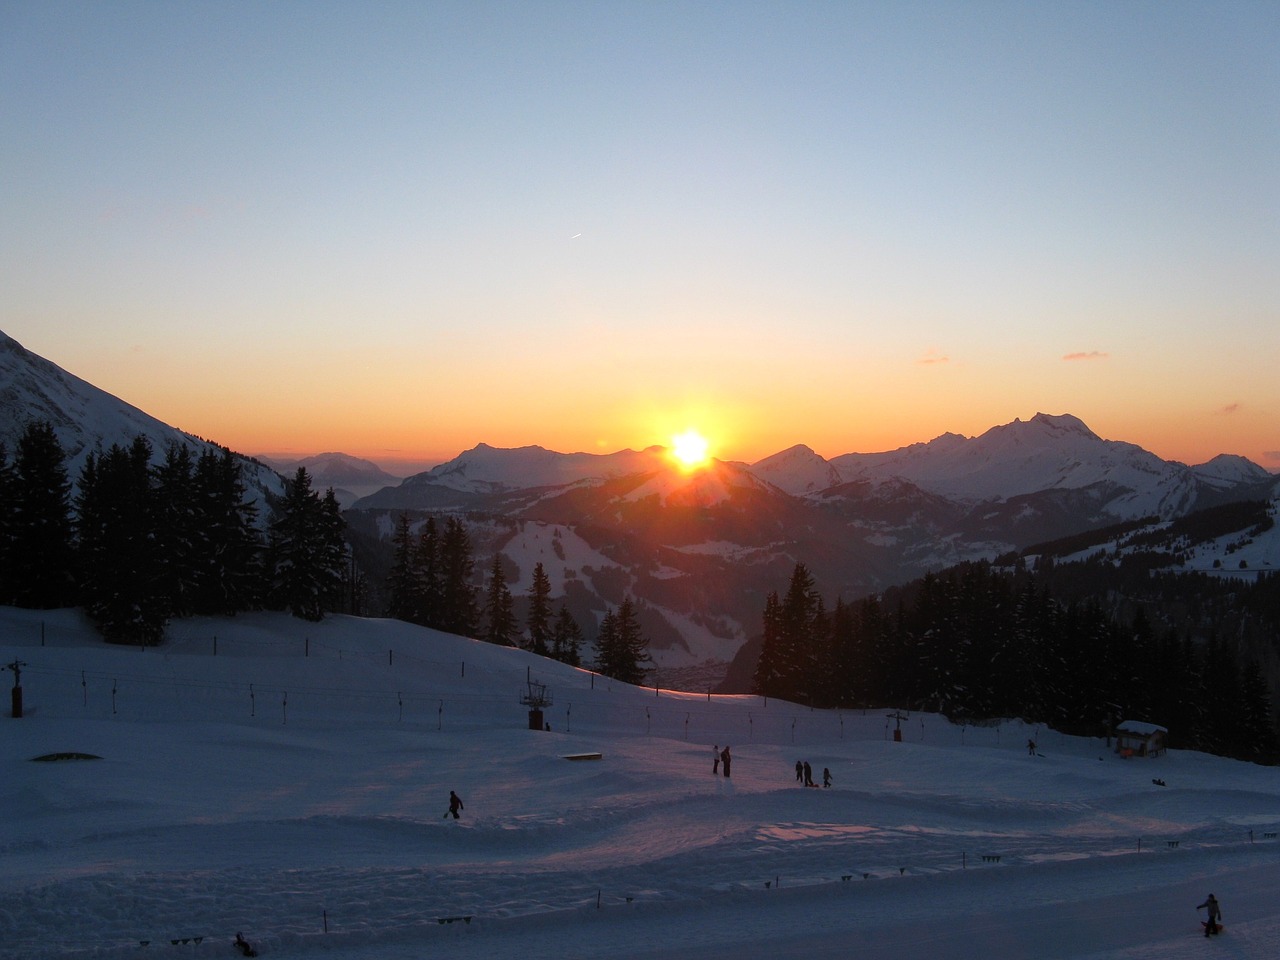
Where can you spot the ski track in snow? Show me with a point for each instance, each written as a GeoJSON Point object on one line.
{"type": "Point", "coordinates": [325, 834]}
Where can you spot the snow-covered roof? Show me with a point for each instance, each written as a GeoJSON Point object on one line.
{"type": "Point", "coordinates": [1140, 727]}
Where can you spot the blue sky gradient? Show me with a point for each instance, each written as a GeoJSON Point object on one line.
{"type": "Point", "coordinates": [398, 229]}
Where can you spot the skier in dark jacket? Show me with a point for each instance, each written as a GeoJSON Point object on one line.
{"type": "Point", "coordinates": [1215, 914]}
{"type": "Point", "coordinates": [455, 804]}
{"type": "Point", "coordinates": [726, 758]}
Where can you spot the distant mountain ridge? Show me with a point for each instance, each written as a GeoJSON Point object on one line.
{"type": "Point", "coordinates": [349, 477]}
{"type": "Point", "coordinates": [1045, 453]}
{"type": "Point", "coordinates": [699, 551]}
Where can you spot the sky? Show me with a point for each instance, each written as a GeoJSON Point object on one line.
{"type": "Point", "coordinates": [398, 230]}
{"type": "Point", "coordinates": [300, 800]}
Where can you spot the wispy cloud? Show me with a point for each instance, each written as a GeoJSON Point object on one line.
{"type": "Point", "coordinates": [1272, 455]}
{"type": "Point", "coordinates": [932, 357]}
{"type": "Point", "coordinates": [1229, 409]}
{"type": "Point", "coordinates": [1085, 355]}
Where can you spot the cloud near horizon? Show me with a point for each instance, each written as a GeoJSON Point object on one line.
{"type": "Point", "coordinates": [1229, 409]}
{"type": "Point", "coordinates": [933, 357]}
{"type": "Point", "coordinates": [1085, 355]}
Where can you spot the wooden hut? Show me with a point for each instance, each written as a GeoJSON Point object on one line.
{"type": "Point", "coordinates": [1137, 738]}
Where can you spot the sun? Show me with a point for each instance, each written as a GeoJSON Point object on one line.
{"type": "Point", "coordinates": [690, 449]}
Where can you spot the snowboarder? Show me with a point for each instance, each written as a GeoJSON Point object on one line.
{"type": "Point", "coordinates": [826, 776]}
{"type": "Point", "coordinates": [455, 804]}
{"type": "Point", "coordinates": [725, 758]}
{"type": "Point", "coordinates": [1215, 914]}
{"type": "Point", "coordinates": [799, 772]}
{"type": "Point", "coordinates": [1031, 748]}
{"type": "Point", "coordinates": [244, 946]}
{"type": "Point", "coordinates": [808, 775]}
{"type": "Point", "coordinates": [715, 759]}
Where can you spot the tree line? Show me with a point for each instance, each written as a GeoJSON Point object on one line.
{"type": "Point", "coordinates": [975, 642]}
{"type": "Point", "coordinates": [139, 540]}
{"type": "Point", "coordinates": [432, 583]}
{"type": "Point", "coordinates": [143, 540]}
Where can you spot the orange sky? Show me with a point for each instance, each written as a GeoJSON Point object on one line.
{"type": "Point", "coordinates": [854, 226]}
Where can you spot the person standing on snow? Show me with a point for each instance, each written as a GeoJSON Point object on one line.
{"type": "Point", "coordinates": [1215, 914]}
{"type": "Point", "coordinates": [826, 776]}
{"type": "Point", "coordinates": [455, 804]}
{"type": "Point", "coordinates": [725, 757]}
{"type": "Point", "coordinates": [799, 772]}
{"type": "Point", "coordinates": [808, 775]}
{"type": "Point", "coordinates": [715, 759]}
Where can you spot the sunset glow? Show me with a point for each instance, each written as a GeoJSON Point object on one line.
{"type": "Point", "coordinates": [691, 450]}
{"type": "Point", "coordinates": [862, 225]}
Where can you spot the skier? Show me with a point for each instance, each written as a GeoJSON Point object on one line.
{"type": "Point", "coordinates": [808, 775]}
{"type": "Point", "coordinates": [1031, 748]}
{"type": "Point", "coordinates": [1215, 915]}
{"type": "Point", "coordinates": [725, 758]}
{"type": "Point", "coordinates": [244, 946]}
{"type": "Point", "coordinates": [826, 776]}
{"type": "Point", "coordinates": [455, 804]}
{"type": "Point", "coordinates": [715, 759]}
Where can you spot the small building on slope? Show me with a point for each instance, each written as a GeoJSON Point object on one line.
{"type": "Point", "coordinates": [1137, 738]}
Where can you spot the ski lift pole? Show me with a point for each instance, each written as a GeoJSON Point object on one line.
{"type": "Point", "coordinates": [897, 716]}
{"type": "Point", "coordinates": [16, 667]}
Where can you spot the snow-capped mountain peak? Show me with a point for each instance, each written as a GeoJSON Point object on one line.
{"type": "Point", "coordinates": [797, 470]}
{"type": "Point", "coordinates": [1227, 470]}
{"type": "Point", "coordinates": [487, 469]}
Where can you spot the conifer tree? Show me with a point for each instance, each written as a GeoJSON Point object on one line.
{"type": "Point", "coordinates": [40, 548]}
{"type": "Point", "coordinates": [500, 619]}
{"type": "Point", "coordinates": [427, 573]}
{"type": "Point", "coordinates": [795, 633]}
{"type": "Point", "coordinates": [122, 584]}
{"type": "Point", "coordinates": [621, 649]}
{"type": "Point", "coordinates": [1255, 726]}
{"type": "Point", "coordinates": [403, 582]}
{"type": "Point", "coordinates": [538, 621]}
{"type": "Point", "coordinates": [179, 538]}
{"type": "Point", "coordinates": [458, 613]}
{"type": "Point", "coordinates": [6, 521]}
{"type": "Point", "coordinates": [567, 638]}
{"type": "Point", "coordinates": [307, 553]}
{"type": "Point", "coordinates": [767, 681]}
{"type": "Point", "coordinates": [230, 560]}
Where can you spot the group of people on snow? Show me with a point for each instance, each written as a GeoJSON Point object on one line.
{"type": "Point", "coordinates": [720, 758]}
{"type": "Point", "coordinates": [804, 774]}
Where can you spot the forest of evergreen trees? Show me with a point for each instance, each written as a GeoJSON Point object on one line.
{"type": "Point", "coordinates": [142, 541]}
{"type": "Point", "coordinates": [432, 584]}
{"type": "Point", "coordinates": [980, 642]}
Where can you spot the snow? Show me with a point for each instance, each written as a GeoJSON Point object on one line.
{"type": "Point", "coordinates": [289, 780]}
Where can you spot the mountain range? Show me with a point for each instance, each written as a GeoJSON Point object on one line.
{"type": "Point", "coordinates": [699, 551]}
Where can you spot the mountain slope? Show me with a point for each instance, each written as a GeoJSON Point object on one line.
{"type": "Point", "coordinates": [86, 419]}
